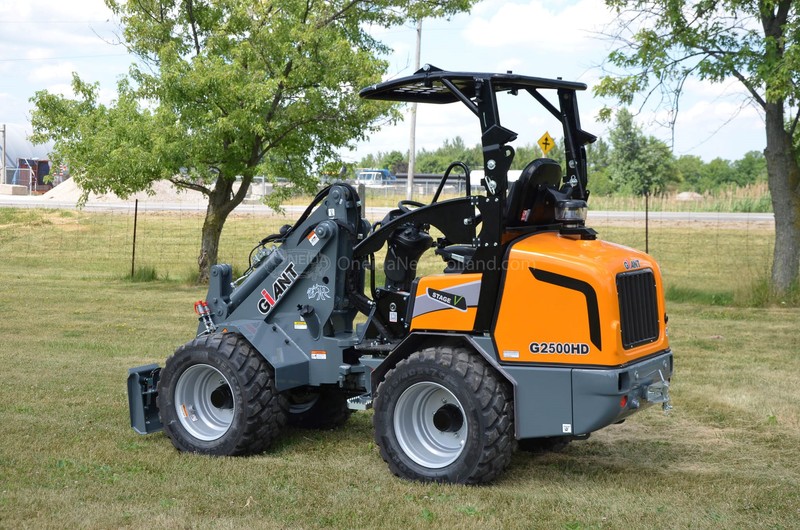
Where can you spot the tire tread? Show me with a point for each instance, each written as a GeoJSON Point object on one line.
{"type": "Point", "coordinates": [494, 397]}
{"type": "Point", "coordinates": [264, 408]}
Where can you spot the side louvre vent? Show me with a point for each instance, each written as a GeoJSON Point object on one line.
{"type": "Point", "coordinates": [638, 307]}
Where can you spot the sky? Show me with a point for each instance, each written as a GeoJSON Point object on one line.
{"type": "Point", "coordinates": [42, 42]}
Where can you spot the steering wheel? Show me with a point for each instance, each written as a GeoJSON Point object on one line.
{"type": "Point", "coordinates": [405, 203]}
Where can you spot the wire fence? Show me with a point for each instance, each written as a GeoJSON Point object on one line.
{"type": "Point", "coordinates": [701, 251]}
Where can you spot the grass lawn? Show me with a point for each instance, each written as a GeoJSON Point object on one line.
{"type": "Point", "coordinates": [726, 457]}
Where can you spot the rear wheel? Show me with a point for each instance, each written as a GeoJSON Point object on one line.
{"type": "Point", "coordinates": [317, 408]}
{"type": "Point", "coordinates": [444, 415]}
{"type": "Point", "coordinates": [217, 396]}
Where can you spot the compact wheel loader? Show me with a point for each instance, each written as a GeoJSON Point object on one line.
{"type": "Point", "coordinates": [535, 333]}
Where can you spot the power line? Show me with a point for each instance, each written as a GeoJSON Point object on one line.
{"type": "Point", "coordinates": [39, 22]}
{"type": "Point", "coordinates": [61, 58]}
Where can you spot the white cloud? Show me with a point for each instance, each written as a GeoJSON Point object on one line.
{"type": "Point", "coordinates": [64, 10]}
{"type": "Point", "coordinates": [435, 124]}
{"type": "Point", "coordinates": [703, 112]}
{"type": "Point", "coordinates": [719, 128]}
{"type": "Point", "coordinates": [545, 27]}
{"type": "Point", "coordinates": [39, 53]}
{"type": "Point", "coordinates": [61, 71]}
{"type": "Point", "coordinates": [56, 25]}
{"type": "Point", "coordinates": [533, 37]}
{"type": "Point", "coordinates": [106, 96]}
{"type": "Point", "coordinates": [730, 89]}
{"type": "Point", "coordinates": [709, 111]}
{"type": "Point", "coordinates": [512, 64]}
{"type": "Point", "coordinates": [63, 89]}
{"type": "Point", "coordinates": [47, 41]}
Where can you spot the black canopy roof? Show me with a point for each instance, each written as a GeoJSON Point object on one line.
{"type": "Point", "coordinates": [430, 85]}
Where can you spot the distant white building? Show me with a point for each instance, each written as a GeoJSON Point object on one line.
{"type": "Point", "coordinates": [26, 164]}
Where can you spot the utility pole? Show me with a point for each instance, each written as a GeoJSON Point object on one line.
{"type": "Point", "coordinates": [412, 148]}
{"type": "Point", "coordinates": [3, 165]}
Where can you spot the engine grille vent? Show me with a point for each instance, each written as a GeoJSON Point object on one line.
{"type": "Point", "coordinates": [638, 307]}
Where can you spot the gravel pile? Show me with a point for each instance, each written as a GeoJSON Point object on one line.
{"type": "Point", "coordinates": [162, 191]}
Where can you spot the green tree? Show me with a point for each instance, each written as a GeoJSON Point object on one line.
{"type": "Point", "coordinates": [370, 161]}
{"type": "Point", "coordinates": [627, 142]}
{"type": "Point", "coordinates": [639, 164]}
{"type": "Point", "coordinates": [394, 161]}
{"type": "Point", "coordinates": [454, 150]}
{"type": "Point", "coordinates": [691, 172]}
{"type": "Point", "coordinates": [525, 154]}
{"type": "Point", "coordinates": [427, 162]}
{"type": "Point", "coordinates": [719, 173]}
{"type": "Point", "coordinates": [457, 151]}
{"type": "Point", "coordinates": [757, 42]}
{"type": "Point", "coordinates": [226, 90]}
{"type": "Point", "coordinates": [751, 168]}
{"type": "Point", "coordinates": [599, 161]}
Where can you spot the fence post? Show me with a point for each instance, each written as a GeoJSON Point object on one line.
{"type": "Point", "coordinates": [5, 155]}
{"type": "Point", "coordinates": [647, 223]}
{"type": "Point", "coordinates": [135, 219]}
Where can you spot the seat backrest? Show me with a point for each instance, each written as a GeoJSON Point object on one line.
{"type": "Point", "coordinates": [522, 193]}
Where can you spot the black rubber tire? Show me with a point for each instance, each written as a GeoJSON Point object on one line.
{"type": "Point", "coordinates": [555, 444]}
{"type": "Point", "coordinates": [328, 410]}
{"type": "Point", "coordinates": [487, 403]}
{"type": "Point", "coordinates": [259, 411]}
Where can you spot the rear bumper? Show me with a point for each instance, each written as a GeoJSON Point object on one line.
{"type": "Point", "coordinates": [570, 401]}
{"type": "Point", "coordinates": [603, 397]}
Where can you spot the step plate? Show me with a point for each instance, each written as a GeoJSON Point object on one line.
{"type": "Point", "coordinates": [362, 402]}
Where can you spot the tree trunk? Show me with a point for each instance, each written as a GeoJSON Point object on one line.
{"type": "Point", "coordinates": [209, 242]}
{"type": "Point", "coordinates": [221, 202]}
{"type": "Point", "coordinates": [784, 186]}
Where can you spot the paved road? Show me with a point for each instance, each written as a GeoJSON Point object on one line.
{"type": "Point", "coordinates": [24, 201]}
{"type": "Point", "coordinates": [707, 217]}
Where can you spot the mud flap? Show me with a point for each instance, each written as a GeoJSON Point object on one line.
{"type": "Point", "coordinates": [142, 392]}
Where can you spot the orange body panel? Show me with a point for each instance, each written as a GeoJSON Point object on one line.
{"type": "Point", "coordinates": [446, 302]}
{"type": "Point", "coordinates": [547, 319]}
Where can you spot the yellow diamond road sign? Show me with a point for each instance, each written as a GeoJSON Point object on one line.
{"type": "Point", "coordinates": [546, 142]}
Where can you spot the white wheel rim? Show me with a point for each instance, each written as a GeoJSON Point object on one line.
{"type": "Point", "coordinates": [204, 402]}
{"type": "Point", "coordinates": [430, 425]}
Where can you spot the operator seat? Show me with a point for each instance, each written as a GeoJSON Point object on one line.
{"type": "Point", "coordinates": [540, 174]}
{"type": "Point", "coordinates": [522, 193]}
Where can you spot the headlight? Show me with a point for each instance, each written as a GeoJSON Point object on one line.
{"type": "Point", "coordinates": [571, 212]}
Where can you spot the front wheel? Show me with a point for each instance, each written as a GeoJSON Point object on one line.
{"type": "Point", "coordinates": [444, 415]}
{"type": "Point", "coordinates": [217, 396]}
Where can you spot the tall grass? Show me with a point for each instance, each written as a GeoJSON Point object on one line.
{"type": "Point", "coordinates": [145, 274]}
{"type": "Point", "coordinates": [760, 293]}
{"type": "Point", "coordinates": [754, 198]}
